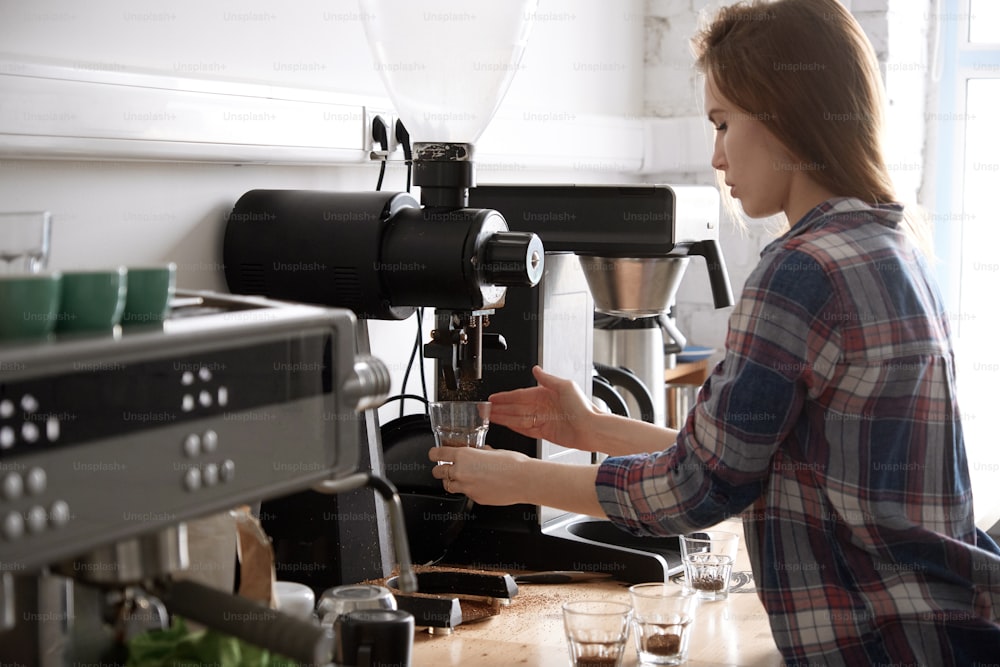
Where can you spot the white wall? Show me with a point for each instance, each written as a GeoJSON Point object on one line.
{"type": "Point", "coordinates": [583, 59]}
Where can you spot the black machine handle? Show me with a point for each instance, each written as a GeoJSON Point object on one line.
{"type": "Point", "coordinates": [244, 619]}
{"type": "Point", "coordinates": [718, 275]}
{"type": "Point", "coordinates": [626, 379]}
{"type": "Point", "coordinates": [603, 390]}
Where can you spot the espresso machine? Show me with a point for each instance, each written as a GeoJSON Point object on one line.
{"type": "Point", "coordinates": [112, 444]}
{"type": "Point", "coordinates": [621, 250]}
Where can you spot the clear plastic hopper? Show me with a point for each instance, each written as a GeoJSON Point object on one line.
{"type": "Point", "coordinates": [447, 64]}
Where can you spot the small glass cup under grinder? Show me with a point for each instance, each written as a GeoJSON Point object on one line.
{"type": "Point", "coordinates": [459, 423]}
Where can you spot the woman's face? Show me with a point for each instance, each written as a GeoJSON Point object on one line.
{"type": "Point", "coordinates": [757, 167]}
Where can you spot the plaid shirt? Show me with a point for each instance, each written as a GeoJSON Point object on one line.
{"type": "Point", "coordinates": [833, 424]}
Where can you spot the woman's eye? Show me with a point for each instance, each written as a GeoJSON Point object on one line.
{"type": "Point", "coordinates": [721, 127]}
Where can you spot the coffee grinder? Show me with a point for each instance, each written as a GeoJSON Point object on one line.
{"type": "Point", "coordinates": [383, 254]}
{"type": "Point", "coordinates": [622, 249]}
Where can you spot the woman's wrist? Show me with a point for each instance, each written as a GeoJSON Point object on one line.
{"type": "Point", "coordinates": [620, 436]}
{"type": "Point", "coordinates": [564, 486]}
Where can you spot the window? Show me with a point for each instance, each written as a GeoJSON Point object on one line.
{"type": "Point", "coordinates": [967, 224]}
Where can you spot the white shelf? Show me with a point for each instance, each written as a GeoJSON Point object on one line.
{"type": "Point", "coordinates": [58, 111]}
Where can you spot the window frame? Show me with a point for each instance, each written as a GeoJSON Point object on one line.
{"type": "Point", "coordinates": [959, 60]}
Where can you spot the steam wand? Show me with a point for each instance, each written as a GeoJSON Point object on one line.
{"type": "Point", "coordinates": [407, 577]}
{"type": "Point", "coordinates": [272, 629]}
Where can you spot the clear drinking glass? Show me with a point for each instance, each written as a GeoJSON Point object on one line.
{"type": "Point", "coordinates": [460, 423]}
{"type": "Point", "coordinates": [24, 241]}
{"type": "Point", "coordinates": [662, 618]}
{"type": "Point", "coordinates": [340, 600]}
{"type": "Point", "coordinates": [708, 558]}
{"type": "Point", "coordinates": [596, 631]}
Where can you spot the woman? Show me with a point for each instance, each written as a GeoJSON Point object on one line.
{"type": "Point", "coordinates": [832, 423]}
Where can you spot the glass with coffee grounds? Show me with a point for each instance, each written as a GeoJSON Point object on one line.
{"type": "Point", "coordinates": [708, 558]}
{"type": "Point", "coordinates": [662, 618]}
{"type": "Point", "coordinates": [597, 631]}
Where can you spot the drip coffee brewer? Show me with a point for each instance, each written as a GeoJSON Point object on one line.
{"type": "Point", "coordinates": [632, 327]}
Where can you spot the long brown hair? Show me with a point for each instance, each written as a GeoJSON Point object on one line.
{"type": "Point", "coordinates": [807, 71]}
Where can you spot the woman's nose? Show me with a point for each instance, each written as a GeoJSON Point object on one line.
{"type": "Point", "coordinates": [719, 155]}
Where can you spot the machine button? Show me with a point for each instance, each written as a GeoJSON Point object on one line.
{"type": "Point", "coordinates": [210, 440]}
{"type": "Point", "coordinates": [35, 480]}
{"type": "Point", "coordinates": [187, 378]}
{"type": "Point", "coordinates": [187, 403]}
{"type": "Point", "coordinates": [227, 471]}
{"type": "Point", "coordinates": [12, 486]}
{"type": "Point", "coordinates": [192, 479]}
{"type": "Point", "coordinates": [7, 437]}
{"type": "Point", "coordinates": [205, 399]}
{"type": "Point", "coordinates": [6, 408]}
{"type": "Point", "coordinates": [13, 526]}
{"type": "Point", "coordinates": [222, 396]}
{"type": "Point", "coordinates": [210, 474]}
{"type": "Point", "coordinates": [192, 445]}
{"type": "Point", "coordinates": [29, 431]}
{"type": "Point", "coordinates": [37, 520]}
{"type": "Point", "coordinates": [204, 374]}
{"type": "Point", "coordinates": [29, 403]}
{"type": "Point", "coordinates": [59, 514]}
{"type": "Point", "coordinates": [52, 429]}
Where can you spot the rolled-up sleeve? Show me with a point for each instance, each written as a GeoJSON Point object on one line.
{"type": "Point", "coordinates": [781, 342]}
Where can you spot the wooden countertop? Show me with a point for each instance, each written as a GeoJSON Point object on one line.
{"type": "Point", "coordinates": [529, 631]}
{"type": "Point", "coordinates": [688, 372]}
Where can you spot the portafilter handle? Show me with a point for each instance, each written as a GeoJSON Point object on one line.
{"type": "Point", "coordinates": [270, 629]}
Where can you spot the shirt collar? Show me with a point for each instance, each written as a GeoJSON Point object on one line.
{"type": "Point", "coordinates": [888, 214]}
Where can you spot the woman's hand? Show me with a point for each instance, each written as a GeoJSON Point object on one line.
{"type": "Point", "coordinates": [502, 477]}
{"type": "Point", "coordinates": [556, 410]}
{"type": "Point", "coordinates": [488, 476]}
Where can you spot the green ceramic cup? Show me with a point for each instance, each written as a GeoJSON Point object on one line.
{"type": "Point", "coordinates": [150, 289]}
{"type": "Point", "coordinates": [29, 305]}
{"type": "Point", "coordinates": [92, 301]}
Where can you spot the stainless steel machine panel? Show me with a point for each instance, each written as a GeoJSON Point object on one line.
{"type": "Point", "coordinates": [232, 401]}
